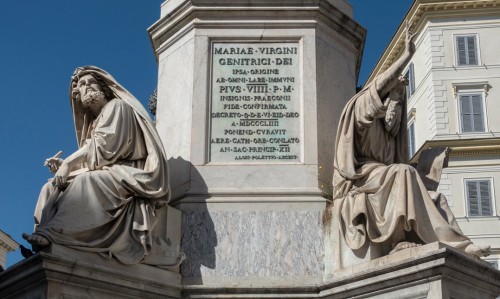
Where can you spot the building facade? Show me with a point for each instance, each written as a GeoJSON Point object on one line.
{"type": "Point", "coordinates": [7, 244]}
{"type": "Point", "coordinates": [453, 100]}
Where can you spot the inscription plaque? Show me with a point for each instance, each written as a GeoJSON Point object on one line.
{"type": "Point", "coordinates": [256, 111]}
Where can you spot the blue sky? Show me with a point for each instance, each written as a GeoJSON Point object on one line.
{"type": "Point", "coordinates": [41, 44]}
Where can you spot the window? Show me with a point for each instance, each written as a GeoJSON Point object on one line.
{"type": "Point", "coordinates": [411, 139]}
{"type": "Point", "coordinates": [479, 197]}
{"type": "Point", "coordinates": [466, 47]}
{"type": "Point", "coordinates": [471, 113]}
{"type": "Point", "coordinates": [410, 75]}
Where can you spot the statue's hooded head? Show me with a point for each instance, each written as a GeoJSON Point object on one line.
{"type": "Point", "coordinates": [106, 86]}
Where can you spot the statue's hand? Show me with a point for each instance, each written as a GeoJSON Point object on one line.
{"type": "Point", "coordinates": [53, 164]}
{"type": "Point", "coordinates": [409, 38]}
{"type": "Point", "coordinates": [61, 176]}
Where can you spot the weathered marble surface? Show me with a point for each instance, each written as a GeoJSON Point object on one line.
{"type": "Point", "coordinates": [232, 234]}
{"type": "Point", "coordinates": [85, 275]}
{"type": "Point", "coordinates": [330, 46]}
{"type": "Point", "coordinates": [252, 243]}
{"type": "Point", "coordinates": [432, 271]}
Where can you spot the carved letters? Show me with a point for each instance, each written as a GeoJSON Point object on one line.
{"type": "Point", "coordinates": [256, 106]}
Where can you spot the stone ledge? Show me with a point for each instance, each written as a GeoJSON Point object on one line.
{"type": "Point", "coordinates": [406, 269]}
{"type": "Point", "coordinates": [429, 271]}
{"type": "Point", "coordinates": [47, 275]}
{"type": "Point", "coordinates": [183, 16]}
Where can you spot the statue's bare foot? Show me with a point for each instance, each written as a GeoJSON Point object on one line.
{"type": "Point", "coordinates": [403, 245]}
{"type": "Point", "coordinates": [36, 240]}
{"type": "Point", "coordinates": [478, 251]}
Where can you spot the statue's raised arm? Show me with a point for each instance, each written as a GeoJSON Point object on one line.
{"type": "Point", "coordinates": [380, 200]}
{"type": "Point", "coordinates": [386, 81]}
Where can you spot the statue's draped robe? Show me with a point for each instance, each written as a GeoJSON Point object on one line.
{"type": "Point", "coordinates": [110, 209]}
{"type": "Point", "coordinates": [376, 191]}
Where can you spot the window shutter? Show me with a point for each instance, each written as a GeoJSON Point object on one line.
{"type": "Point", "coordinates": [410, 75]}
{"type": "Point", "coordinates": [472, 198]}
{"type": "Point", "coordinates": [412, 79]}
{"type": "Point", "coordinates": [466, 113]}
{"type": "Point", "coordinates": [471, 113]}
{"type": "Point", "coordinates": [479, 198]}
{"type": "Point", "coordinates": [461, 51]}
{"type": "Point", "coordinates": [485, 194]}
{"type": "Point", "coordinates": [467, 50]}
{"type": "Point", "coordinates": [477, 110]}
{"type": "Point", "coordinates": [471, 50]}
{"type": "Point", "coordinates": [411, 140]}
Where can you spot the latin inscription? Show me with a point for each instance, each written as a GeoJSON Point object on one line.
{"type": "Point", "coordinates": [256, 113]}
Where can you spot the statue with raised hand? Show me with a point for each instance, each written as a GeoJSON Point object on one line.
{"type": "Point", "coordinates": [379, 198]}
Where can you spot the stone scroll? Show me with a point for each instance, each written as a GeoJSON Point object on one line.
{"type": "Point", "coordinates": [256, 107]}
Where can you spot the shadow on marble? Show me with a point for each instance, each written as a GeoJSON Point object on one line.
{"type": "Point", "coordinates": [199, 238]}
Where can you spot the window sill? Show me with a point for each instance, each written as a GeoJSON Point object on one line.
{"type": "Point", "coordinates": [478, 218]}
{"type": "Point", "coordinates": [468, 66]}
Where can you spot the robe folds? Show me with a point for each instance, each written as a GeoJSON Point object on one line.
{"type": "Point", "coordinates": [378, 194]}
{"type": "Point", "coordinates": [109, 206]}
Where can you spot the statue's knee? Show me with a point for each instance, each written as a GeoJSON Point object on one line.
{"type": "Point", "coordinates": [404, 168]}
{"type": "Point", "coordinates": [47, 188]}
{"type": "Point", "coordinates": [82, 177]}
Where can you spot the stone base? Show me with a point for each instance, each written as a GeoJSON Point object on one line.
{"type": "Point", "coordinates": [47, 275]}
{"type": "Point", "coordinates": [432, 271]}
{"type": "Point", "coordinates": [264, 241]}
{"type": "Point", "coordinates": [429, 271]}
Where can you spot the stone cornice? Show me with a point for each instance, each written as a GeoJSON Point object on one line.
{"type": "Point", "coordinates": [7, 242]}
{"type": "Point", "coordinates": [423, 10]}
{"type": "Point", "coordinates": [464, 147]}
{"type": "Point", "coordinates": [190, 14]}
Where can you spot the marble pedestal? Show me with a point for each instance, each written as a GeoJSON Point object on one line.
{"type": "Point", "coordinates": [432, 271]}
{"type": "Point", "coordinates": [50, 275]}
{"type": "Point", "coordinates": [62, 272]}
{"type": "Point", "coordinates": [250, 93]}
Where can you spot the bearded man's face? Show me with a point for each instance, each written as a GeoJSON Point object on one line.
{"type": "Point", "coordinates": [90, 91]}
{"type": "Point", "coordinates": [392, 119]}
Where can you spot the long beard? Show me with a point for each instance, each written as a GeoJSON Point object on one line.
{"type": "Point", "coordinates": [92, 97]}
{"type": "Point", "coordinates": [392, 119]}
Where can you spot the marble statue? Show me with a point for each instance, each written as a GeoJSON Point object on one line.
{"type": "Point", "coordinates": [104, 197]}
{"type": "Point", "coordinates": [379, 197]}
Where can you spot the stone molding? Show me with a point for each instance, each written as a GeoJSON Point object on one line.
{"type": "Point", "coordinates": [464, 147]}
{"type": "Point", "coordinates": [192, 14]}
{"type": "Point", "coordinates": [46, 275]}
{"type": "Point", "coordinates": [430, 271]}
{"type": "Point", "coordinates": [7, 242]}
{"type": "Point", "coordinates": [420, 12]}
